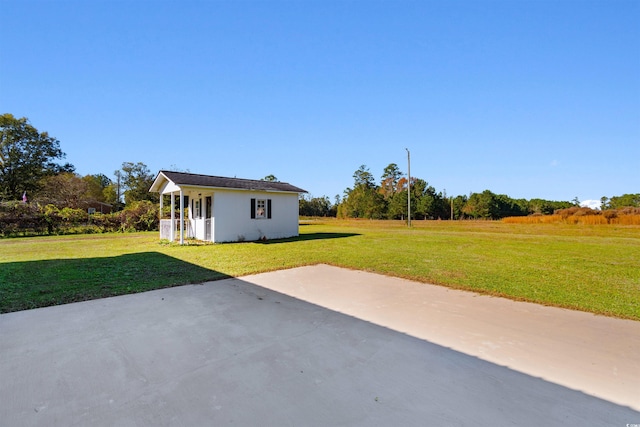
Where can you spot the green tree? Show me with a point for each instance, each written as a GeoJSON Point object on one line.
{"type": "Point", "coordinates": [362, 177]}
{"type": "Point", "coordinates": [389, 181]}
{"type": "Point", "coordinates": [270, 178]}
{"type": "Point", "coordinates": [96, 186]}
{"type": "Point", "coordinates": [364, 200]}
{"type": "Point", "coordinates": [137, 179]}
{"type": "Point", "coordinates": [397, 206]}
{"type": "Point", "coordinates": [26, 157]}
{"type": "Point", "coordinates": [426, 203]}
{"type": "Point", "coordinates": [487, 205]}
{"type": "Point", "coordinates": [429, 203]}
{"type": "Point", "coordinates": [110, 194]}
{"type": "Point", "coordinates": [457, 204]}
{"type": "Point", "coordinates": [482, 205]}
{"type": "Point", "coordinates": [626, 200]}
{"type": "Point", "coordinates": [506, 206]}
{"type": "Point", "coordinates": [316, 206]}
{"type": "Point", "coordinates": [544, 207]}
{"type": "Point", "coordinates": [539, 207]}
{"type": "Point", "coordinates": [397, 203]}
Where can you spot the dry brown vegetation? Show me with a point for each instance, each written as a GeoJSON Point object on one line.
{"type": "Point", "coordinates": [586, 216]}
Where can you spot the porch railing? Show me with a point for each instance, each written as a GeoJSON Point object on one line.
{"type": "Point", "coordinates": [167, 224]}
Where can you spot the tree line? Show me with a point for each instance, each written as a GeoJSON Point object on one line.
{"type": "Point", "coordinates": [388, 199]}
{"type": "Point", "coordinates": [41, 195]}
{"type": "Point", "coordinates": [31, 171]}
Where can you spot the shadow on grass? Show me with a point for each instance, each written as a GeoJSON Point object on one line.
{"type": "Point", "coordinates": [309, 236]}
{"type": "Point", "coordinates": [32, 284]}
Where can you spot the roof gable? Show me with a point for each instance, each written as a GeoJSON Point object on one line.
{"type": "Point", "coordinates": [197, 180]}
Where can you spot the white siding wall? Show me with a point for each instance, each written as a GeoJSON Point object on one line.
{"type": "Point", "coordinates": [233, 222]}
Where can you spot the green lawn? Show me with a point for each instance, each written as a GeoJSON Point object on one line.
{"type": "Point", "coordinates": [589, 268]}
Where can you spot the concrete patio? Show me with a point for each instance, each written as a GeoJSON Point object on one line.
{"type": "Point", "coordinates": [316, 346]}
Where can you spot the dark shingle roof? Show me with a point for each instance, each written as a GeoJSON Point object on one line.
{"type": "Point", "coordinates": [182, 178]}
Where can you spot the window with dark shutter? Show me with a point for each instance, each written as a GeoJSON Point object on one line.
{"type": "Point", "coordinates": [260, 208]}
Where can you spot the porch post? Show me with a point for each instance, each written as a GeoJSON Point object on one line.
{"type": "Point", "coordinates": [173, 217]}
{"type": "Point", "coordinates": [181, 217]}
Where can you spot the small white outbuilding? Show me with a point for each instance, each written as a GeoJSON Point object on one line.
{"type": "Point", "coordinates": [220, 209]}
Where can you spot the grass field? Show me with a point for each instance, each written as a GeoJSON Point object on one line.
{"type": "Point", "coordinates": [590, 268]}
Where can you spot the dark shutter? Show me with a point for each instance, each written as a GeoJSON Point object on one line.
{"type": "Point", "coordinates": [269, 208]}
{"type": "Point", "coordinates": [253, 208]}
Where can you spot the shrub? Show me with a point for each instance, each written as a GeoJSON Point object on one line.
{"type": "Point", "coordinates": [52, 218]}
{"type": "Point", "coordinates": [73, 216]}
{"type": "Point", "coordinates": [585, 216]}
{"type": "Point", "coordinates": [17, 217]}
{"type": "Point", "coordinates": [32, 219]}
{"type": "Point", "coordinates": [140, 216]}
{"type": "Point", "coordinates": [106, 223]}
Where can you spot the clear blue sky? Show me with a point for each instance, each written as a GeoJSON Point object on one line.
{"type": "Point", "coordinates": [525, 98]}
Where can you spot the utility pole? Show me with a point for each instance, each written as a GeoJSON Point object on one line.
{"type": "Point", "coordinates": [408, 188]}
{"type": "Point", "coordinates": [451, 208]}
